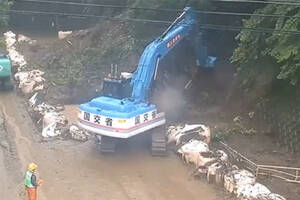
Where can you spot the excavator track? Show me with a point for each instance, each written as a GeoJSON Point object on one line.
{"type": "Point", "coordinates": [106, 144]}
{"type": "Point", "coordinates": [159, 142]}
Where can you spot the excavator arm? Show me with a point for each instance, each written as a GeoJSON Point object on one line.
{"type": "Point", "coordinates": [184, 26]}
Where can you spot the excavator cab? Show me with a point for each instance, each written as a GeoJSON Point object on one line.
{"type": "Point", "coordinates": [117, 85]}
{"type": "Point", "coordinates": [118, 88]}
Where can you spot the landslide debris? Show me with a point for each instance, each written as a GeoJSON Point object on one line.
{"type": "Point", "coordinates": [77, 64]}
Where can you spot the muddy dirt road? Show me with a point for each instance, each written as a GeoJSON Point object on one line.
{"type": "Point", "coordinates": [72, 170]}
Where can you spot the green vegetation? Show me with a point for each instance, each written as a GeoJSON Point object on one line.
{"type": "Point", "coordinates": [280, 50]}
{"type": "Point", "coordinates": [4, 19]}
{"type": "Point", "coordinates": [111, 42]}
{"type": "Point", "coordinates": [4, 5]}
{"type": "Point", "coordinates": [273, 58]}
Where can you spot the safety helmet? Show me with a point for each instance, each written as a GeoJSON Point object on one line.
{"type": "Point", "coordinates": [32, 167]}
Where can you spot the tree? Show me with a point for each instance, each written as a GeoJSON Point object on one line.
{"type": "Point", "coordinates": [281, 50]}
{"type": "Point", "coordinates": [4, 5]}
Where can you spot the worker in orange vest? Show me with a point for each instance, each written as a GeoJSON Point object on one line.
{"type": "Point", "coordinates": [31, 182]}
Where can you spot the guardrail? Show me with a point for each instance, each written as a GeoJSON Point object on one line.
{"type": "Point", "coordinates": [288, 174]}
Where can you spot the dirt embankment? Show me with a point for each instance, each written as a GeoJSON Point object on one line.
{"type": "Point", "coordinates": [75, 66]}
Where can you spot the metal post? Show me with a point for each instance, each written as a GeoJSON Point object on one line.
{"type": "Point", "coordinates": [111, 71]}
{"type": "Point", "coordinates": [116, 71]}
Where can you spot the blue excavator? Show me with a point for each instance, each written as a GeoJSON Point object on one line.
{"type": "Point", "coordinates": [124, 110]}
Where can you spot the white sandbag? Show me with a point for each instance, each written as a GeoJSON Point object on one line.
{"type": "Point", "coordinates": [53, 122]}
{"type": "Point", "coordinates": [198, 159]}
{"type": "Point", "coordinates": [49, 118]}
{"type": "Point", "coordinates": [175, 134]}
{"type": "Point", "coordinates": [192, 153]}
{"type": "Point", "coordinates": [38, 88]}
{"type": "Point", "coordinates": [33, 100]}
{"type": "Point", "coordinates": [236, 178]}
{"type": "Point", "coordinates": [36, 99]}
{"type": "Point", "coordinates": [21, 76]}
{"type": "Point", "coordinates": [10, 39]}
{"type": "Point", "coordinates": [194, 146]}
{"type": "Point", "coordinates": [271, 196]}
{"type": "Point", "coordinates": [30, 82]}
{"type": "Point", "coordinates": [36, 73]}
{"type": "Point", "coordinates": [215, 172]}
{"type": "Point", "coordinates": [222, 156]}
{"type": "Point", "coordinates": [212, 169]}
{"type": "Point", "coordinates": [251, 192]}
{"type": "Point", "coordinates": [43, 108]}
{"type": "Point", "coordinates": [63, 34]}
{"type": "Point", "coordinates": [38, 79]}
{"type": "Point", "coordinates": [78, 134]}
{"type": "Point", "coordinates": [27, 87]}
{"type": "Point", "coordinates": [191, 127]}
{"type": "Point", "coordinates": [53, 117]}
{"type": "Point", "coordinates": [206, 133]}
{"type": "Point", "coordinates": [16, 58]}
{"type": "Point", "coordinates": [50, 130]}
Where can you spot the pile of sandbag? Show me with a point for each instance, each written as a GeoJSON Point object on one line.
{"type": "Point", "coordinates": [182, 134]}
{"type": "Point", "coordinates": [54, 122]}
{"type": "Point", "coordinates": [243, 184]}
{"type": "Point", "coordinates": [16, 58]}
{"type": "Point", "coordinates": [192, 142]}
{"type": "Point", "coordinates": [30, 82]}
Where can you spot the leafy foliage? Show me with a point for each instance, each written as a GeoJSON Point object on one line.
{"type": "Point", "coordinates": [142, 31]}
{"type": "Point", "coordinates": [4, 5]}
{"type": "Point", "coordinates": [280, 49]}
